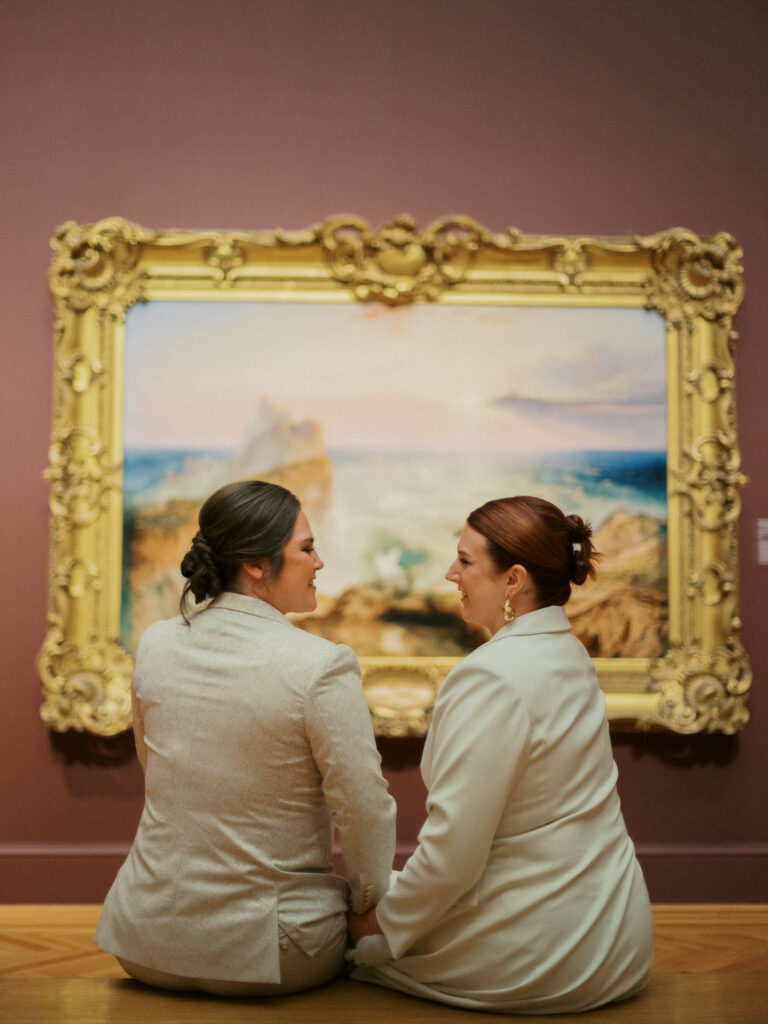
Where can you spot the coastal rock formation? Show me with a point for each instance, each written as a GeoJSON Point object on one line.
{"type": "Point", "coordinates": [160, 528]}
{"type": "Point", "coordinates": [272, 441]}
{"type": "Point", "coordinates": [378, 619]}
{"type": "Point", "coordinates": [162, 534]}
{"type": "Point", "coordinates": [623, 612]}
{"type": "Point", "coordinates": [620, 614]}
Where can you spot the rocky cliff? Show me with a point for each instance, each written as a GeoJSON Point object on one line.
{"type": "Point", "coordinates": [162, 535]}
{"type": "Point", "coordinates": [620, 614]}
{"type": "Point", "coordinates": [623, 612]}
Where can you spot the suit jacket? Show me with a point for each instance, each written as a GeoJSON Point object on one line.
{"type": "Point", "coordinates": [524, 892]}
{"type": "Point", "coordinates": [255, 738]}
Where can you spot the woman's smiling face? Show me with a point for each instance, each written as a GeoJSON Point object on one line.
{"type": "Point", "coordinates": [293, 588]}
{"type": "Point", "coordinates": [483, 588]}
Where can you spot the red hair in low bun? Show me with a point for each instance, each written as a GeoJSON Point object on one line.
{"type": "Point", "coordinates": [556, 549]}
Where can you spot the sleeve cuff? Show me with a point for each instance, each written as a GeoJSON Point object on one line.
{"type": "Point", "coordinates": [372, 950]}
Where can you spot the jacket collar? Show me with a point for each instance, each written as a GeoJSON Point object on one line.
{"type": "Point", "coordinates": [249, 605]}
{"type": "Point", "coordinates": [551, 619]}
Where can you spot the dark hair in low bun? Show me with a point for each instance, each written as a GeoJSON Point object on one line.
{"type": "Point", "coordinates": [556, 549]}
{"type": "Point", "coordinates": [241, 522]}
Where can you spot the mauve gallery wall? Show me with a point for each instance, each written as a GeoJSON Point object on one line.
{"type": "Point", "coordinates": [615, 117]}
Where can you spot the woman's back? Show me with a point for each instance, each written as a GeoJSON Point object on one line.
{"type": "Point", "coordinates": [524, 893]}
{"type": "Point", "coordinates": [562, 871]}
{"type": "Point", "coordinates": [253, 734]}
{"type": "Point", "coordinates": [524, 865]}
{"type": "Point", "coordinates": [569, 773]}
{"type": "Point", "coordinates": [224, 702]}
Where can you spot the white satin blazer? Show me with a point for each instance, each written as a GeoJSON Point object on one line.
{"type": "Point", "coordinates": [256, 739]}
{"type": "Point", "coordinates": [524, 893]}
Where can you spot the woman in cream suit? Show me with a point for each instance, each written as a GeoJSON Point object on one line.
{"type": "Point", "coordinates": [255, 739]}
{"type": "Point", "coordinates": [524, 894]}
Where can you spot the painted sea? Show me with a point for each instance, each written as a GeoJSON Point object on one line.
{"type": "Point", "coordinates": [386, 525]}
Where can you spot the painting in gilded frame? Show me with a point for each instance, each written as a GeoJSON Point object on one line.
{"type": "Point", "coordinates": [394, 381]}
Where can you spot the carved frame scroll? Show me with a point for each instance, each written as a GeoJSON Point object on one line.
{"type": "Point", "coordinates": [695, 282]}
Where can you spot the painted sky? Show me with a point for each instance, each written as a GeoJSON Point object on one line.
{"type": "Point", "coordinates": [426, 377]}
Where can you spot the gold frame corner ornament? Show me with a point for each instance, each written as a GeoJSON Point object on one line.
{"type": "Point", "coordinates": [694, 282]}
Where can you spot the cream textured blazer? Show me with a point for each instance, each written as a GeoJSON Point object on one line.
{"type": "Point", "coordinates": [524, 893]}
{"type": "Point", "coordinates": [255, 738]}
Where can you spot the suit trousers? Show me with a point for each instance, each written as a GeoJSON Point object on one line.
{"type": "Point", "coordinates": [298, 971]}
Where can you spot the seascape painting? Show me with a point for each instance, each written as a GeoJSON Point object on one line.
{"type": "Point", "coordinates": [391, 425]}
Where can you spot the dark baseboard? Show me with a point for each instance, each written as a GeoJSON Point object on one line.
{"type": "Point", "coordinates": [705, 872]}
{"type": "Point", "coordinates": [58, 872]}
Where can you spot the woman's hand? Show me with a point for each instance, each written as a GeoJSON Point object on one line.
{"type": "Point", "coordinates": [360, 925]}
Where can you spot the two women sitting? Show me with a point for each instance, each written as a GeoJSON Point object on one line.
{"type": "Point", "coordinates": [523, 894]}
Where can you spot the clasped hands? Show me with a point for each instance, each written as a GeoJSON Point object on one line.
{"type": "Point", "coordinates": [360, 925]}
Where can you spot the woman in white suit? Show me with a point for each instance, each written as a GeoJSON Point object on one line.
{"type": "Point", "coordinates": [524, 894]}
{"type": "Point", "coordinates": [255, 739]}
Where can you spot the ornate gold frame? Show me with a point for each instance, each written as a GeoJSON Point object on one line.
{"type": "Point", "coordinates": [694, 281]}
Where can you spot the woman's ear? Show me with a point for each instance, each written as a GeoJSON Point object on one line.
{"type": "Point", "coordinates": [254, 571]}
{"type": "Point", "coordinates": [516, 578]}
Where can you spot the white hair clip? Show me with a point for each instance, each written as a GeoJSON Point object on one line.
{"type": "Point", "coordinates": [576, 547]}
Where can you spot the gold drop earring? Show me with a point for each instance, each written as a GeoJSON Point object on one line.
{"type": "Point", "coordinates": [508, 610]}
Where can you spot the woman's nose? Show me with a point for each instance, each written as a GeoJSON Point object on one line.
{"type": "Point", "coordinates": [319, 562]}
{"type": "Point", "coordinates": [452, 576]}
